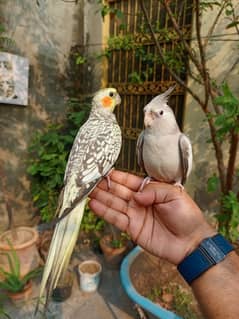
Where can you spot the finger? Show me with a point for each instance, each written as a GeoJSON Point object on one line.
{"type": "Point", "coordinates": [112, 216]}
{"type": "Point", "coordinates": [130, 181]}
{"type": "Point", "coordinates": [157, 192]}
{"type": "Point", "coordinates": [110, 200]}
{"type": "Point", "coordinates": [119, 190]}
{"type": "Point", "coordinates": [145, 198]}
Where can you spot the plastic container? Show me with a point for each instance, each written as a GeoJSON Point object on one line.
{"type": "Point", "coordinates": [90, 272]}
{"type": "Point", "coordinates": [153, 310]}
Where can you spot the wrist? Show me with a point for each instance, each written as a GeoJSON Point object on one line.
{"type": "Point", "coordinates": [194, 240]}
{"type": "Point", "coordinates": [211, 251]}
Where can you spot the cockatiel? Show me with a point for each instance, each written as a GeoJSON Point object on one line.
{"type": "Point", "coordinates": [163, 151]}
{"type": "Point", "coordinates": [94, 152]}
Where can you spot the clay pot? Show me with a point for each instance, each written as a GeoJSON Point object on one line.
{"type": "Point", "coordinates": [19, 297]}
{"type": "Point", "coordinates": [24, 242]}
{"type": "Point", "coordinates": [113, 256]}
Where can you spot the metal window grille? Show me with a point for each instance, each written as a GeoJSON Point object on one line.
{"type": "Point", "coordinates": [136, 78]}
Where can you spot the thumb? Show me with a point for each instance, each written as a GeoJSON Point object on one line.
{"type": "Point", "coordinates": [145, 198]}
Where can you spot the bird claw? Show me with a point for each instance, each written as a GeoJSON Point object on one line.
{"type": "Point", "coordinates": [108, 180]}
{"type": "Point", "coordinates": [145, 182]}
{"type": "Point", "coordinates": [178, 184]}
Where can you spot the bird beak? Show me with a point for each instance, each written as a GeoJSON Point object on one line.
{"type": "Point", "coordinates": [117, 99]}
{"type": "Point", "coordinates": [148, 119]}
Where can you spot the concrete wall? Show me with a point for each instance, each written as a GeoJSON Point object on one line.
{"type": "Point", "coordinates": [44, 33]}
{"type": "Point", "coordinates": [222, 62]}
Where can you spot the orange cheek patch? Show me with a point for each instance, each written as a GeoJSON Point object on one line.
{"type": "Point", "coordinates": [107, 101]}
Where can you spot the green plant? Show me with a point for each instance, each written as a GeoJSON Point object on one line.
{"type": "Point", "coordinates": [106, 9]}
{"type": "Point", "coordinates": [49, 151]}
{"type": "Point", "coordinates": [120, 241]}
{"type": "Point", "coordinates": [183, 303]}
{"type": "Point", "coordinates": [227, 128]}
{"type": "Point", "coordinates": [3, 312]}
{"type": "Point", "coordinates": [12, 280]}
{"type": "Point", "coordinates": [230, 203]}
{"type": "Point", "coordinates": [90, 222]}
{"type": "Point", "coordinates": [176, 298]}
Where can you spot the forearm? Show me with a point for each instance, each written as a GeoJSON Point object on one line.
{"type": "Point", "coordinates": [217, 289]}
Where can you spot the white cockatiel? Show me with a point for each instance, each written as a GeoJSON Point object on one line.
{"type": "Point", "coordinates": [93, 154]}
{"type": "Point", "coordinates": [163, 151]}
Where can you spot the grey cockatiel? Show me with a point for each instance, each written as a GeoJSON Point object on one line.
{"type": "Point", "coordinates": [94, 152]}
{"type": "Point", "coordinates": [163, 151]}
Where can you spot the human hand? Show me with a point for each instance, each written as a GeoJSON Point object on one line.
{"type": "Point", "coordinates": [163, 219]}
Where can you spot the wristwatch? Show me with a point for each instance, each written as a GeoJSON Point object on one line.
{"type": "Point", "coordinates": [210, 252]}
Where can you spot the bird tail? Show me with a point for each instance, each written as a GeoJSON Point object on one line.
{"type": "Point", "coordinates": [61, 248]}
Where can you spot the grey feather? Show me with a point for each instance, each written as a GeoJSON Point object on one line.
{"type": "Point", "coordinates": [186, 156]}
{"type": "Point", "coordinates": [163, 98]}
{"type": "Point", "coordinates": [139, 150]}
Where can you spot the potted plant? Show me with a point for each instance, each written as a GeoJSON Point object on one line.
{"type": "Point", "coordinates": [17, 287]}
{"type": "Point", "coordinates": [114, 247]}
{"type": "Point", "coordinates": [24, 242]}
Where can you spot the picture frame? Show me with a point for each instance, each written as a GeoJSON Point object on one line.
{"type": "Point", "coordinates": [14, 75]}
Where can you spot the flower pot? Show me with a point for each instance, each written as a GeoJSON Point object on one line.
{"type": "Point", "coordinates": [23, 240]}
{"type": "Point", "coordinates": [64, 288]}
{"type": "Point", "coordinates": [113, 256]}
{"type": "Point", "coordinates": [89, 272]}
{"type": "Point", "coordinates": [19, 297]}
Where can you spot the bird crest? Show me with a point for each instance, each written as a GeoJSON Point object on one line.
{"type": "Point", "coordinates": [163, 98]}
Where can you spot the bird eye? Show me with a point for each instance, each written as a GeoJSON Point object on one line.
{"type": "Point", "coordinates": [161, 112]}
{"type": "Point", "coordinates": [111, 94]}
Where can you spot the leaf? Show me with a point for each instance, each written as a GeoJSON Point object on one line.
{"type": "Point", "coordinates": [212, 183]}
{"type": "Point", "coordinates": [32, 170]}
{"type": "Point", "coordinates": [32, 274]}
{"type": "Point", "coordinates": [80, 60]}
{"type": "Point", "coordinates": [232, 24]}
{"type": "Point", "coordinates": [119, 14]}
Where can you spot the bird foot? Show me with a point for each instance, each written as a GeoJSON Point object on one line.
{"type": "Point", "coordinates": [178, 184]}
{"type": "Point", "coordinates": [145, 182]}
{"type": "Point", "coordinates": [108, 179]}
{"type": "Point", "coordinates": [108, 182]}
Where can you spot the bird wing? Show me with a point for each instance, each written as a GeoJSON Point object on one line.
{"type": "Point", "coordinates": [185, 150]}
{"type": "Point", "coordinates": [94, 152]}
{"type": "Point", "coordinates": [139, 150]}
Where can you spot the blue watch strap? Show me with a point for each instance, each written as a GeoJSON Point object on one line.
{"type": "Point", "coordinates": [210, 252]}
